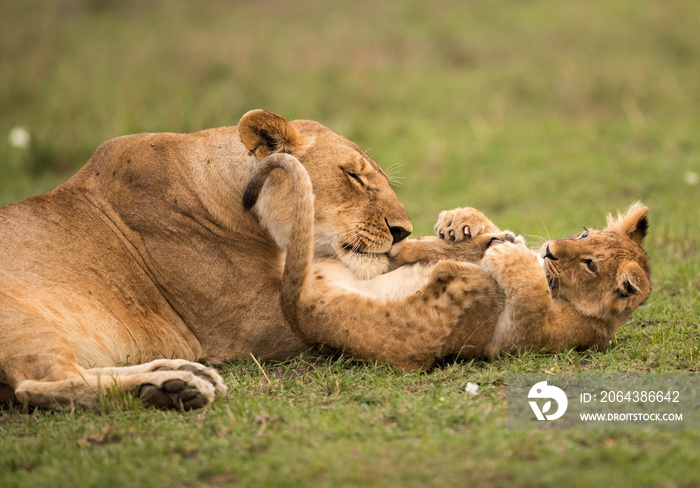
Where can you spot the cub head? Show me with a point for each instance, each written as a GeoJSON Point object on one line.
{"type": "Point", "coordinates": [603, 274]}
{"type": "Point", "coordinates": [358, 217]}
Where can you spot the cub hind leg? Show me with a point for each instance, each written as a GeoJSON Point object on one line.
{"type": "Point", "coordinates": [410, 332]}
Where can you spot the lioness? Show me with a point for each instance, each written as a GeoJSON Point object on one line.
{"type": "Point", "coordinates": [576, 293]}
{"type": "Point", "coordinates": [146, 255]}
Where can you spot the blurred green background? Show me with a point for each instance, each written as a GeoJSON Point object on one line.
{"type": "Point", "coordinates": [528, 110]}
{"type": "Point", "coordinates": [544, 114]}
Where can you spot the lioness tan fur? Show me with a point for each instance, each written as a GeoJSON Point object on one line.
{"type": "Point", "coordinates": [576, 293]}
{"type": "Point", "coordinates": [146, 255]}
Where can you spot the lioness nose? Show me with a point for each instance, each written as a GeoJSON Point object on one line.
{"type": "Point", "coordinates": [399, 233]}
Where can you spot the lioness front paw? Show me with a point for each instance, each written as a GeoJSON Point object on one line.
{"type": "Point", "coordinates": [462, 223]}
{"type": "Point", "coordinates": [179, 384]}
{"type": "Point", "coordinates": [199, 370]}
{"type": "Point", "coordinates": [177, 393]}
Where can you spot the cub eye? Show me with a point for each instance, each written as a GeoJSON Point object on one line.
{"type": "Point", "coordinates": [585, 234]}
{"type": "Point", "coordinates": [590, 265]}
{"type": "Point", "coordinates": [355, 177]}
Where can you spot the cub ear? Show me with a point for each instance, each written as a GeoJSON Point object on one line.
{"type": "Point", "coordinates": [634, 223]}
{"type": "Point", "coordinates": [632, 284]}
{"type": "Point", "coordinates": [264, 132]}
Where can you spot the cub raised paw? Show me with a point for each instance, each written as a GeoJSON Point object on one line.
{"type": "Point", "coordinates": [462, 223]}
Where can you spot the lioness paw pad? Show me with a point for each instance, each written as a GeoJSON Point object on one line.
{"type": "Point", "coordinates": [174, 393]}
{"type": "Point", "coordinates": [203, 372]}
{"type": "Point", "coordinates": [178, 384]}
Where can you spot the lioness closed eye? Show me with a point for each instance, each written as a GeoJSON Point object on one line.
{"type": "Point", "coordinates": [146, 254]}
{"type": "Point", "coordinates": [576, 292]}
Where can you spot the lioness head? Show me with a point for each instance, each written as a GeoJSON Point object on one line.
{"type": "Point", "coordinates": [603, 274]}
{"type": "Point", "coordinates": [358, 217]}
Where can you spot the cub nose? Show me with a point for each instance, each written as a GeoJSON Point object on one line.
{"type": "Point", "coordinates": [548, 254]}
{"type": "Point", "coordinates": [399, 233]}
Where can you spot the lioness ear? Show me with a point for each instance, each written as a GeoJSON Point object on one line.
{"type": "Point", "coordinates": [634, 223]}
{"type": "Point", "coordinates": [264, 133]}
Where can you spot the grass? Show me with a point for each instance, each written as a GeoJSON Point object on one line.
{"type": "Point", "coordinates": [546, 115]}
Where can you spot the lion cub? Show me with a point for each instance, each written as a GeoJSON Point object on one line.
{"type": "Point", "coordinates": [576, 292]}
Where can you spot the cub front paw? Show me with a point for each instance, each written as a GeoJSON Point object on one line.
{"type": "Point", "coordinates": [502, 237]}
{"type": "Point", "coordinates": [509, 259]}
{"type": "Point", "coordinates": [462, 223]}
